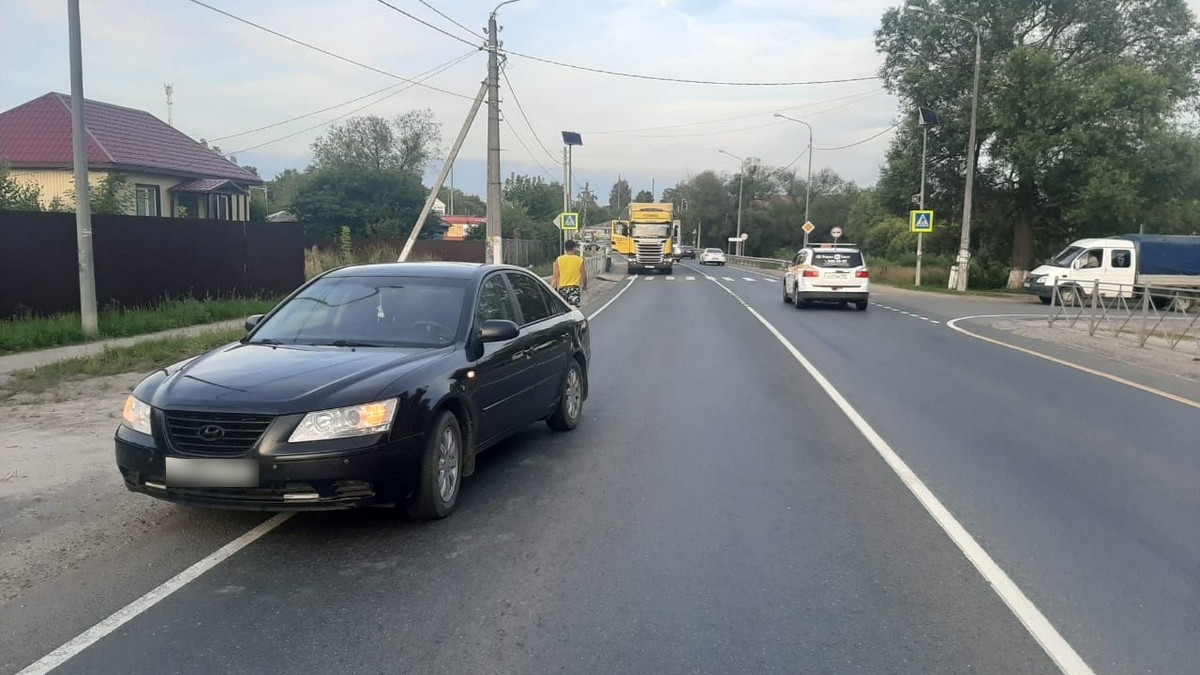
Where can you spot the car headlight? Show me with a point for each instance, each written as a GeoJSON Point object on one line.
{"type": "Point", "coordinates": [136, 415]}
{"type": "Point", "coordinates": [1042, 281]}
{"type": "Point", "coordinates": [355, 420]}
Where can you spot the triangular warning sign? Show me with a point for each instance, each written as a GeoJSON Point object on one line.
{"type": "Point", "coordinates": [923, 222]}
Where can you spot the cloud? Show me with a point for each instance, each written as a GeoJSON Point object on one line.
{"type": "Point", "coordinates": [229, 77]}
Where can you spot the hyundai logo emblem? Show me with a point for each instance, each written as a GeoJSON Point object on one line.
{"type": "Point", "coordinates": [211, 433]}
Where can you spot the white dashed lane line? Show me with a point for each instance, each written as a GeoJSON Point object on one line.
{"type": "Point", "coordinates": [901, 311]}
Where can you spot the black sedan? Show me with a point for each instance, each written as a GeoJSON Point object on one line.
{"type": "Point", "coordinates": [371, 384]}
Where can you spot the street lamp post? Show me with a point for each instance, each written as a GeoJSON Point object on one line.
{"type": "Point", "coordinates": [959, 280]}
{"type": "Point", "coordinates": [808, 181]}
{"type": "Point", "coordinates": [741, 184]}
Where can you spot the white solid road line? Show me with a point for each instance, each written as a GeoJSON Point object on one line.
{"type": "Point", "coordinates": [1057, 648]}
{"type": "Point", "coordinates": [122, 616]}
{"type": "Point", "coordinates": [612, 299]}
{"type": "Point", "coordinates": [953, 325]}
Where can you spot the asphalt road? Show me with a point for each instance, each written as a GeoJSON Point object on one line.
{"type": "Point", "coordinates": [716, 512]}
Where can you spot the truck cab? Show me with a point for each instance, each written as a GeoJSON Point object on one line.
{"type": "Point", "coordinates": [1077, 268]}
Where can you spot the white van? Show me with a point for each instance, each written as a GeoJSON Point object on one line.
{"type": "Point", "coordinates": [1122, 265]}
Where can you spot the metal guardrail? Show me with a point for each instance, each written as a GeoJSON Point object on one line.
{"type": "Point", "coordinates": [1160, 315]}
{"type": "Point", "coordinates": [763, 263]}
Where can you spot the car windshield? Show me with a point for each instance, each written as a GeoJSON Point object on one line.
{"type": "Point", "coordinates": [1064, 259]}
{"type": "Point", "coordinates": [712, 250]}
{"type": "Point", "coordinates": [837, 259]}
{"type": "Point", "coordinates": [655, 230]}
{"type": "Point", "coordinates": [368, 312]}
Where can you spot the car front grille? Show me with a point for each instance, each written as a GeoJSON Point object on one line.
{"type": "Point", "coordinates": [206, 434]}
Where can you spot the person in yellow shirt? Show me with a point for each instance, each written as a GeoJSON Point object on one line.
{"type": "Point", "coordinates": [570, 275]}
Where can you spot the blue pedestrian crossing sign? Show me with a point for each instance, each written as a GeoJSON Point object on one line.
{"type": "Point", "coordinates": [920, 221]}
{"type": "Point", "coordinates": [567, 221]}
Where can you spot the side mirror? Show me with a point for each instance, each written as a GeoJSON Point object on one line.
{"type": "Point", "coordinates": [1077, 264]}
{"type": "Point", "coordinates": [252, 321]}
{"type": "Point", "coordinates": [498, 330]}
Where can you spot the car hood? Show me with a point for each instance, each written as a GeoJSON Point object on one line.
{"type": "Point", "coordinates": [284, 379]}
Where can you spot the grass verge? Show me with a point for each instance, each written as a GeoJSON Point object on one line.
{"type": "Point", "coordinates": [931, 288]}
{"type": "Point", "coordinates": [33, 332]}
{"type": "Point", "coordinates": [145, 357]}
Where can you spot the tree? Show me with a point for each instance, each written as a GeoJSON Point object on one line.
{"type": "Point", "coordinates": [418, 139]}
{"type": "Point", "coordinates": [619, 196]}
{"type": "Point", "coordinates": [1078, 104]}
{"type": "Point", "coordinates": [283, 188]}
{"type": "Point", "coordinates": [16, 195]}
{"type": "Point", "coordinates": [374, 204]}
{"type": "Point", "coordinates": [112, 195]}
{"type": "Point", "coordinates": [644, 196]}
{"type": "Point", "coordinates": [464, 204]}
{"type": "Point", "coordinates": [408, 143]}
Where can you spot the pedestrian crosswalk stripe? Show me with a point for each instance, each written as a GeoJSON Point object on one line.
{"type": "Point", "coordinates": [691, 278]}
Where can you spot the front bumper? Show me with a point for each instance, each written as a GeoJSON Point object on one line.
{"type": "Point", "coordinates": [381, 474]}
{"type": "Point", "coordinates": [1031, 287]}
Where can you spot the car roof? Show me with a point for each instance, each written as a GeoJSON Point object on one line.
{"type": "Point", "coordinates": [432, 269]}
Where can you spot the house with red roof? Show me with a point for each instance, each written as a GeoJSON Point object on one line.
{"type": "Point", "coordinates": [170, 174]}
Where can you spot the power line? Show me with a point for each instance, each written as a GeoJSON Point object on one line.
{"type": "Point", "coordinates": [437, 70]}
{"type": "Point", "coordinates": [527, 150]}
{"type": "Point", "coordinates": [318, 112]}
{"type": "Point", "coordinates": [681, 80]}
{"type": "Point", "coordinates": [526, 117]}
{"type": "Point", "coordinates": [868, 138]}
{"type": "Point", "coordinates": [425, 23]}
{"type": "Point", "coordinates": [450, 19]}
{"type": "Point", "coordinates": [701, 133]}
{"type": "Point", "coordinates": [856, 98]}
{"type": "Point", "coordinates": [326, 52]}
{"type": "Point", "coordinates": [798, 157]}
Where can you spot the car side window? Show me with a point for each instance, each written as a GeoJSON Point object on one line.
{"type": "Point", "coordinates": [1092, 258]}
{"type": "Point", "coordinates": [495, 302]}
{"type": "Point", "coordinates": [529, 297]}
{"type": "Point", "coordinates": [554, 301]}
{"type": "Point", "coordinates": [1121, 258]}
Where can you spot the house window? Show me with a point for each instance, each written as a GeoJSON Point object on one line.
{"type": "Point", "coordinates": [218, 207]}
{"type": "Point", "coordinates": [147, 200]}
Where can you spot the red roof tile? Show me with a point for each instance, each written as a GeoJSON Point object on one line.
{"type": "Point", "coordinates": [38, 134]}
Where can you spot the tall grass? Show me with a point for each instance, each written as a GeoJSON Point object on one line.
{"type": "Point", "coordinates": [28, 332]}
{"type": "Point", "coordinates": [318, 260]}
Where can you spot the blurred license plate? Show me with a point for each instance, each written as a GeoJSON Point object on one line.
{"type": "Point", "coordinates": [188, 472]}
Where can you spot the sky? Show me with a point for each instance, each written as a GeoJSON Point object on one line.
{"type": "Point", "coordinates": [230, 78]}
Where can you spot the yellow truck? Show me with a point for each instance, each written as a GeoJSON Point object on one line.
{"type": "Point", "coordinates": [643, 236]}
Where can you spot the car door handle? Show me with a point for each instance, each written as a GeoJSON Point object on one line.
{"type": "Point", "coordinates": [523, 354]}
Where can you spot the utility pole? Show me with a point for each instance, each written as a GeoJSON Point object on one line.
{"type": "Point", "coordinates": [495, 250]}
{"type": "Point", "coordinates": [562, 234]}
{"type": "Point", "coordinates": [921, 199]}
{"type": "Point", "coordinates": [83, 198]}
{"type": "Point", "coordinates": [441, 179]}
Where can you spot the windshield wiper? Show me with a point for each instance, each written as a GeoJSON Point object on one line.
{"type": "Point", "coordinates": [265, 341]}
{"type": "Point", "coordinates": [348, 343]}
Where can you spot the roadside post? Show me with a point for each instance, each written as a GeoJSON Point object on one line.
{"type": "Point", "coordinates": [921, 222]}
